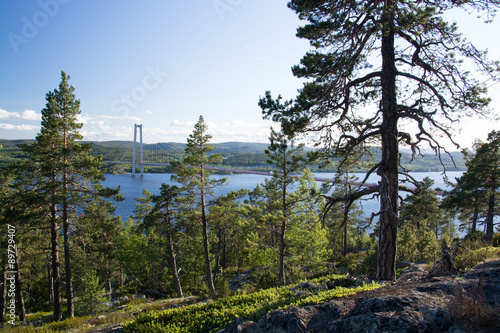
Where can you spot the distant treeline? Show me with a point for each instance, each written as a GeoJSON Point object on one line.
{"type": "Point", "coordinates": [235, 154]}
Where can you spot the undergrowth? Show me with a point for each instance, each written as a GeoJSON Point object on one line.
{"type": "Point", "coordinates": [213, 316]}
{"type": "Point", "coordinates": [468, 256]}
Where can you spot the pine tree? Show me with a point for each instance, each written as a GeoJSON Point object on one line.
{"type": "Point", "coordinates": [194, 175]}
{"type": "Point", "coordinates": [287, 159]}
{"type": "Point", "coordinates": [477, 189]}
{"type": "Point", "coordinates": [420, 79]}
{"type": "Point", "coordinates": [422, 207]}
{"type": "Point", "coordinates": [93, 296]}
{"type": "Point", "coordinates": [307, 238]}
{"type": "Point", "coordinates": [488, 172]}
{"type": "Point", "coordinates": [163, 216]}
{"type": "Point", "coordinates": [465, 198]}
{"type": "Point", "coordinates": [227, 217]}
{"type": "Point", "coordinates": [149, 236]}
{"type": "Point", "coordinates": [65, 177]}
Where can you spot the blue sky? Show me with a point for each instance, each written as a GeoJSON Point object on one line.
{"type": "Point", "coordinates": [163, 63]}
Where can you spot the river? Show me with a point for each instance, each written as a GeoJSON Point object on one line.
{"type": "Point", "coordinates": [132, 186]}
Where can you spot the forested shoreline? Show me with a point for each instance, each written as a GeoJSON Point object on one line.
{"type": "Point", "coordinates": [249, 156]}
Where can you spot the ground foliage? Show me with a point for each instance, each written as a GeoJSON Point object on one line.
{"type": "Point", "coordinates": [215, 315]}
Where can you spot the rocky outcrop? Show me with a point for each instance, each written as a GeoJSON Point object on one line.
{"type": "Point", "coordinates": [416, 303]}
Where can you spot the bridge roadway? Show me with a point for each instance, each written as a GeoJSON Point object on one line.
{"type": "Point", "coordinates": [263, 173]}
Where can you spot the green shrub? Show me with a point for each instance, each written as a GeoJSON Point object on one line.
{"type": "Point", "coordinates": [369, 265]}
{"type": "Point", "coordinates": [295, 274]}
{"type": "Point", "coordinates": [495, 240]}
{"type": "Point", "coordinates": [233, 271]}
{"type": "Point", "coordinates": [468, 258]}
{"type": "Point", "coordinates": [92, 300]}
{"type": "Point", "coordinates": [417, 245]}
{"type": "Point", "coordinates": [137, 301]}
{"type": "Point", "coordinates": [265, 277]}
{"type": "Point", "coordinates": [222, 287]}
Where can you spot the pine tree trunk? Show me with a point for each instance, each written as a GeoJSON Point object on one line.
{"type": "Point", "coordinates": [347, 206]}
{"type": "Point", "coordinates": [475, 217]}
{"type": "Point", "coordinates": [489, 217]}
{"type": "Point", "coordinates": [19, 292]}
{"type": "Point", "coordinates": [152, 269]}
{"type": "Point", "coordinates": [57, 315]}
{"type": "Point", "coordinates": [344, 222]}
{"type": "Point", "coordinates": [67, 255]}
{"type": "Point", "coordinates": [67, 263]}
{"type": "Point", "coordinates": [50, 282]}
{"type": "Point", "coordinates": [224, 250]}
{"type": "Point", "coordinates": [217, 255]}
{"type": "Point", "coordinates": [208, 268]}
{"type": "Point", "coordinates": [386, 262]}
{"type": "Point", "coordinates": [173, 264]}
{"type": "Point", "coordinates": [109, 288]}
{"type": "Point", "coordinates": [281, 273]}
{"type": "Point", "coordinates": [206, 248]}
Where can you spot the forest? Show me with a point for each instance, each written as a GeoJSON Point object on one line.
{"type": "Point", "coordinates": [66, 255]}
{"type": "Point", "coordinates": [186, 242]}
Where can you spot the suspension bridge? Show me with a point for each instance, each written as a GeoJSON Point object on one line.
{"type": "Point", "coordinates": [160, 155]}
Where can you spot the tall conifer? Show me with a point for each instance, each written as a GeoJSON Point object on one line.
{"type": "Point", "coordinates": [197, 187]}
{"type": "Point", "coordinates": [66, 178]}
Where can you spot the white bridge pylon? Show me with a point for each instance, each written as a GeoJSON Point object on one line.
{"type": "Point", "coordinates": [136, 126]}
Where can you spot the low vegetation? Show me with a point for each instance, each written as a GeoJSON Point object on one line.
{"type": "Point", "coordinates": [180, 315]}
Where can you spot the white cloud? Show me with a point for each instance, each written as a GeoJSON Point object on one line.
{"type": "Point", "coordinates": [120, 118]}
{"type": "Point", "coordinates": [148, 112]}
{"type": "Point", "coordinates": [31, 115]}
{"type": "Point", "coordinates": [25, 115]}
{"type": "Point", "coordinates": [9, 115]}
{"type": "Point", "coordinates": [22, 127]}
{"type": "Point", "coordinates": [177, 122]}
{"type": "Point", "coordinates": [99, 131]}
{"type": "Point", "coordinates": [83, 119]}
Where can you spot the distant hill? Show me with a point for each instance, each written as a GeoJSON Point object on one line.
{"type": "Point", "coordinates": [245, 154]}
{"type": "Point", "coordinates": [14, 143]}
